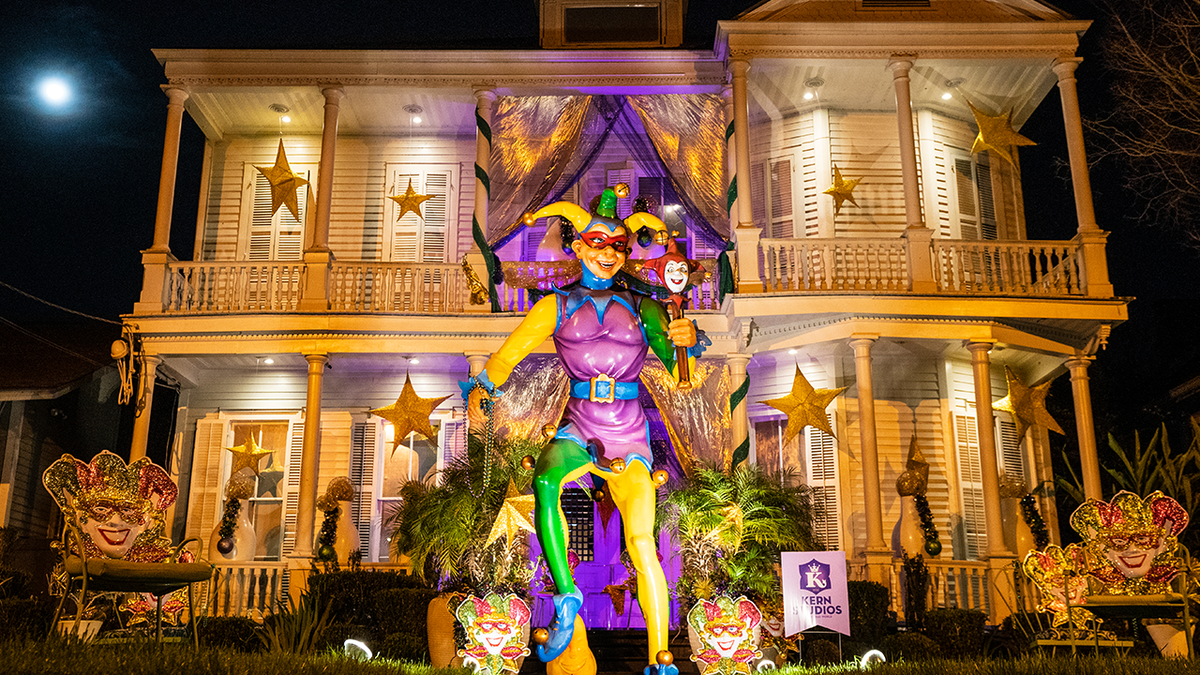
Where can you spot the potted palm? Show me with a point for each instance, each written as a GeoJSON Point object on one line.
{"type": "Point", "coordinates": [729, 529]}
{"type": "Point", "coordinates": [443, 527]}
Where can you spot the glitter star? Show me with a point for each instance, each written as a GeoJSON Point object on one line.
{"type": "Point", "coordinates": [1027, 405]}
{"type": "Point", "coordinates": [284, 184]}
{"type": "Point", "coordinates": [516, 514]}
{"type": "Point", "coordinates": [996, 134]}
{"type": "Point", "coordinates": [410, 201]}
{"type": "Point", "coordinates": [805, 406]}
{"type": "Point", "coordinates": [247, 456]}
{"type": "Point", "coordinates": [842, 190]}
{"type": "Point", "coordinates": [410, 413]}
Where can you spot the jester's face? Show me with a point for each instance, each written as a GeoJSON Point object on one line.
{"type": "Point", "coordinates": [725, 634]}
{"type": "Point", "coordinates": [675, 275]}
{"type": "Point", "coordinates": [1133, 554]}
{"type": "Point", "coordinates": [113, 525]}
{"type": "Point", "coordinates": [494, 631]}
{"type": "Point", "coordinates": [602, 248]}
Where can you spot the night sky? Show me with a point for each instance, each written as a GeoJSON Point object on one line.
{"type": "Point", "coordinates": [79, 187]}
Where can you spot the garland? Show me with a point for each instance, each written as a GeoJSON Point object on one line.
{"type": "Point", "coordinates": [229, 518]}
{"type": "Point", "coordinates": [328, 534]}
{"type": "Point", "coordinates": [933, 546]}
{"type": "Point", "coordinates": [1037, 526]}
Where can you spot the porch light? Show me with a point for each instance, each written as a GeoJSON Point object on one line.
{"type": "Point", "coordinates": [812, 84]}
{"type": "Point", "coordinates": [947, 96]}
{"type": "Point", "coordinates": [269, 361]}
{"type": "Point", "coordinates": [415, 361]}
{"type": "Point", "coordinates": [414, 113]}
{"type": "Point", "coordinates": [285, 119]}
{"type": "Point", "coordinates": [871, 657]}
{"type": "Point", "coordinates": [792, 351]}
{"type": "Point", "coordinates": [808, 95]}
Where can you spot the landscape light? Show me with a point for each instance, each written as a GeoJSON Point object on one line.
{"type": "Point", "coordinates": [357, 650]}
{"type": "Point", "coordinates": [873, 656]}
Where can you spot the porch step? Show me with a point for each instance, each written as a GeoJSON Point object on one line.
{"type": "Point", "coordinates": [623, 652]}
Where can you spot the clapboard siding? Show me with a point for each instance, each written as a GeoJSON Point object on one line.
{"type": "Point", "coordinates": [359, 190]}
{"type": "Point", "coordinates": [864, 146]}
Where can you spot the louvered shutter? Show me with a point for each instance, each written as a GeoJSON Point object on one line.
{"type": "Point", "coordinates": [276, 236]}
{"type": "Point", "coordinates": [454, 443]}
{"type": "Point", "coordinates": [433, 239]}
{"type": "Point", "coordinates": [420, 238]}
{"type": "Point", "coordinates": [364, 450]}
{"type": "Point", "coordinates": [406, 231]}
{"type": "Point", "coordinates": [966, 438]}
{"type": "Point", "coordinates": [823, 481]}
{"type": "Point", "coordinates": [989, 229]}
{"type": "Point", "coordinates": [621, 175]}
{"type": "Point", "coordinates": [781, 199]}
{"type": "Point", "coordinates": [968, 222]}
{"type": "Point", "coordinates": [1012, 460]}
{"type": "Point", "coordinates": [758, 193]}
{"type": "Point", "coordinates": [204, 501]}
{"type": "Point", "coordinates": [291, 491]}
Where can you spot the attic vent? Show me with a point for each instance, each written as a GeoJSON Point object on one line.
{"type": "Point", "coordinates": [611, 24]}
{"type": "Point", "coordinates": [893, 4]}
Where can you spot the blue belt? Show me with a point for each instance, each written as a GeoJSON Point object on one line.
{"type": "Point", "coordinates": [603, 389]}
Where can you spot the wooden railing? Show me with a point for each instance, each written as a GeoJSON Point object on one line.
{"type": "Point", "coordinates": [223, 287]}
{"type": "Point", "coordinates": [789, 265]}
{"type": "Point", "coordinates": [701, 297]}
{"type": "Point", "coordinates": [1008, 267]}
{"type": "Point", "coordinates": [397, 287]}
{"type": "Point", "coordinates": [250, 589]}
{"type": "Point", "coordinates": [952, 584]}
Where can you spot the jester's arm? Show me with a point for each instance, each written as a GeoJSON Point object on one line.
{"type": "Point", "coordinates": [665, 335]}
{"type": "Point", "coordinates": [538, 325]}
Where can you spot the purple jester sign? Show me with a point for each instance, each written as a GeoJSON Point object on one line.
{"type": "Point", "coordinates": [814, 591]}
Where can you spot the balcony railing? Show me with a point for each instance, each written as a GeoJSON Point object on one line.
{"type": "Point", "coordinates": [514, 298]}
{"type": "Point", "coordinates": [879, 265]}
{"type": "Point", "coordinates": [961, 584]}
{"type": "Point", "coordinates": [397, 287]}
{"type": "Point", "coordinates": [1008, 267]}
{"type": "Point", "coordinates": [227, 287]}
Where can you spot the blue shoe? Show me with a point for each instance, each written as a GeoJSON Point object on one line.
{"type": "Point", "coordinates": [661, 669]}
{"type": "Point", "coordinates": [566, 606]}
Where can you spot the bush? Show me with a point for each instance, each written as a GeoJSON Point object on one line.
{"type": "Point", "coordinates": [403, 611]}
{"type": "Point", "coordinates": [821, 652]}
{"type": "Point", "coordinates": [14, 583]}
{"type": "Point", "coordinates": [228, 632]}
{"type": "Point", "coordinates": [336, 634]}
{"type": "Point", "coordinates": [958, 631]}
{"type": "Point", "coordinates": [910, 647]}
{"type": "Point", "coordinates": [406, 647]}
{"type": "Point", "coordinates": [22, 618]}
{"type": "Point", "coordinates": [868, 611]}
{"type": "Point", "coordinates": [351, 595]}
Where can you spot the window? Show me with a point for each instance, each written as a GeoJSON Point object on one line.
{"type": "Point", "coordinates": [414, 459]}
{"type": "Point", "coordinates": [414, 238]}
{"type": "Point", "coordinates": [970, 473]}
{"type": "Point", "coordinates": [973, 189]}
{"type": "Point", "coordinates": [579, 511]}
{"type": "Point", "coordinates": [771, 197]}
{"type": "Point", "coordinates": [266, 506]}
{"type": "Point", "coordinates": [822, 470]}
{"type": "Point", "coordinates": [272, 236]}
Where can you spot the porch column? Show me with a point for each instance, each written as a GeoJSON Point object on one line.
{"type": "Point", "coordinates": [158, 257]}
{"type": "Point", "coordinates": [878, 554]}
{"type": "Point", "coordinates": [1090, 237]}
{"type": "Point", "coordinates": [730, 155]}
{"type": "Point", "coordinates": [739, 424]}
{"type": "Point", "coordinates": [12, 451]}
{"type": "Point", "coordinates": [143, 402]}
{"type": "Point", "coordinates": [918, 238]}
{"type": "Point", "coordinates": [318, 256]}
{"type": "Point", "coordinates": [746, 233]}
{"type": "Point", "coordinates": [1085, 426]}
{"type": "Point", "coordinates": [998, 555]}
{"type": "Point", "coordinates": [309, 459]}
{"type": "Point", "coordinates": [485, 97]}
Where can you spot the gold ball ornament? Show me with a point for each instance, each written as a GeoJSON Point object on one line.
{"type": "Point", "coordinates": [664, 657]}
{"type": "Point", "coordinates": [528, 219]}
{"type": "Point", "coordinates": [541, 636]}
{"type": "Point", "coordinates": [527, 462]}
{"type": "Point", "coordinates": [598, 495]}
{"type": "Point", "coordinates": [548, 432]}
{"type": "Point", "coordinates": [617, 465]}
{"type": "Point", "coordinates": [660, 477]}
{"type": "Point", "coordinates": [621, 190]}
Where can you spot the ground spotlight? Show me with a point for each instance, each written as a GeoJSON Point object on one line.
{"type": "Point", "coordinates": [871, 657]}
{"type": "Point", "coordinates": [358, 650]}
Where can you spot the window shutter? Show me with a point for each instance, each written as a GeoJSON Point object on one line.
{"type": "Point", "coordinates": [1012, 460]}
{"type": "Point", "coordinates": [291, 491]}
{"type": "Point", "coordinates": [971, 482]}
{"type": "Point", "coordinates": [405, 230]}
{"type": "Point", "coordinates": [621, 175]}
{"type": "Point", "coordinates": [204, 503]}
{"type": "Point", "coordinates": [276, 236]}
{"type": "Point", "coordinates": [758, 192]}
{"type": "Point", "coordinates": [363, 449]}
{"type": "Point", "coordinates": [988, 227]}
{"type": "Point", "coordinates": [433, 241]}
{"type": "Point", "coordinates": [454, 443]}
{"type": "Point", "coordinates": [781, 199]}
{"type": "Point", "coordinates": [823, 481]}
{"type": "Point", "coordinates": [967, 213]}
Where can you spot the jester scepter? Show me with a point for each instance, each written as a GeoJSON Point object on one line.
{"type": "Point", "coordinates": [600, 331]}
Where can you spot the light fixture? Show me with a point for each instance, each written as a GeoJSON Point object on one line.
{"type": "Point", "coordinates": [358, 650]}
{"type": "Point", "coordinates": [792, 351]}
{"type": "Point", "coordinates": [947, 96]}
{"type": "Point", "coordinates": [808, 96]}
{"type": "Point", "coordinates": [952, 85]}
{"type": "Point", "coordinates": [812, 84]}
{"type": "Point", "coordinates": [269, 361]}
{"type": "Point", "coordinates": [871, 657]}
{"type": "Point", "coordinates": [286, 119]}
{"type": "Point", "coordinates": [415, 361]}
{"type": "Point", "coordinates": [414, 113]}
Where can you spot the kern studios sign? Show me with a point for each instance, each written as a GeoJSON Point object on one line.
{"type": "Point", "coordinates": [814, 591]}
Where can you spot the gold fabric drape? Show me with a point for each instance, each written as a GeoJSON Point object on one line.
{"type": "Point", "coordinates": [697, 419]}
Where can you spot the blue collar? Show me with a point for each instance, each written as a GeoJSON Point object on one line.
{"type": "Point", "coordinates": [590, 280]}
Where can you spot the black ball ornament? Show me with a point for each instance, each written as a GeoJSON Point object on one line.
{"type": "Point", "coordinates": [933, 547]}
{"type": "Point", "coordinates": [225, 545]}
{"type": "Point", "coordinates": [326, 552]}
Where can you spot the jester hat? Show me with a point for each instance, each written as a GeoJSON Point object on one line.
{"type": "Point", "coordinates": [672, 254]}
{"type": "Point", "coordinates": [606, 212]}
{"type": "Point", "coordinates": [142, 482]}
{"type": "Point", "coordinates": [509, 608]}
{"type": "Point", "coordinates": [1129, 514]}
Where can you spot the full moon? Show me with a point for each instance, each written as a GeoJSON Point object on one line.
{"type": "Point", "coordinates": [55, 91]}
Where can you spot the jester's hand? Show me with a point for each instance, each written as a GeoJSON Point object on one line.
{"type": "Point", "coordinates": [475, 415]}
{"type": "Point", "coordinates": [682, 332]}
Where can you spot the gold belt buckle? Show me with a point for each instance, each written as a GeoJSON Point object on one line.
{"type": "Point", "coordinates": [612, 389]}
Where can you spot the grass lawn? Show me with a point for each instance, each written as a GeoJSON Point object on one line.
{"type": "Point", "coordinates": [1029, 665]}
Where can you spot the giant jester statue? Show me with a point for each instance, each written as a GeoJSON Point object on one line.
{"type": "Point", "coordinates": [601, 331]}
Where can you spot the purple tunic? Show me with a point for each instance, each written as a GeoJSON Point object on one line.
{"type": "Point", "coordinates": [615, 347]}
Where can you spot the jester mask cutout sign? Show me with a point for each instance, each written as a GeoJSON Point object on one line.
{"type": "Point", "coordinates": [814, 591]}
{"type": "Point", "coordinates": [726, 629]}
{"type": "Point", "coordinates": [494, 627]}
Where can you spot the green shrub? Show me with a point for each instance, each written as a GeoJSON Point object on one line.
{"type": "Point", "coordinates": [405, 647]}
{"type": "Point", "coordinates": [910, 647]}
{"type": "Point", "coordinates": [229, 632]}
{"type": "Point", "coordinates": [403, 611]}
{"type": "Point", "coordinates": [336, 634]}
{"type": "Point", "coordinates": [959, 632]}
{"type": "Point", "coordinates": [821, 652]}
{"type": "Point", "coordinates": [868, 611]}
{"type": "Point", "coordinates": [24, 618]}
{"type": "Point", "coordinates": [14, 583]}
{"type": "Point", "coordinates": [351, 594]}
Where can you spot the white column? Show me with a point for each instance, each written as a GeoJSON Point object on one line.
{"type": "Point", "coordinates": [170, 164]}
{"type": "Point", "coordinates": [333, 95]}
{"type": "Point", "coordinates": [739, 423]}
{"type": "Point", "coordinates": [746, 233]}
{"type": "Point", "coordinates": [476, 360]}
{"type": "Point", "coordinates": [876, 548]}
{"type": "Point", "coordinates": [485, 97]}
{"type": "Point", "coordinates": [12, 451]}
{"type": "Point", "coordinates": [730, 151]}
{"type": "Point", "coordinates": [143, 402]}
{"type": "Point", "coordinates": [1085, 426]}
{"type": "Point", "coordinates": [310, 460]}
{"type": "Point", "coordinates": [908, 141]}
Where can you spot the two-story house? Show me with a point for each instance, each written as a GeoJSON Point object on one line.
{"type": "Point", "coordinates": [855, 162]}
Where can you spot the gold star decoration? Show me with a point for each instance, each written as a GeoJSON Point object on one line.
{"type": "Point", "coordinates": [516, 514]}
{"type": "Point", "coordinates": [410, 201]}
{"type": "Point", "coordinates": [410, 413]}
{"type": "Point", "coordinates": [284, 184]}
{"type": "Point", "coordinates": [1027, 405]}
{"type": "Point", "coordinates": [247, 456]}
{"type": "Point", "coordinates": [842, 190]}
{"type": "Point", "coordinates": [996, 134]}
{"type": "Point", "coordinates": [805, 406]}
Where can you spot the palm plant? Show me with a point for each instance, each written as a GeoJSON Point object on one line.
{"type": "Point", "coordinates": [730, 528]}
{"type": "Point", "coordinates": [442, 525]}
